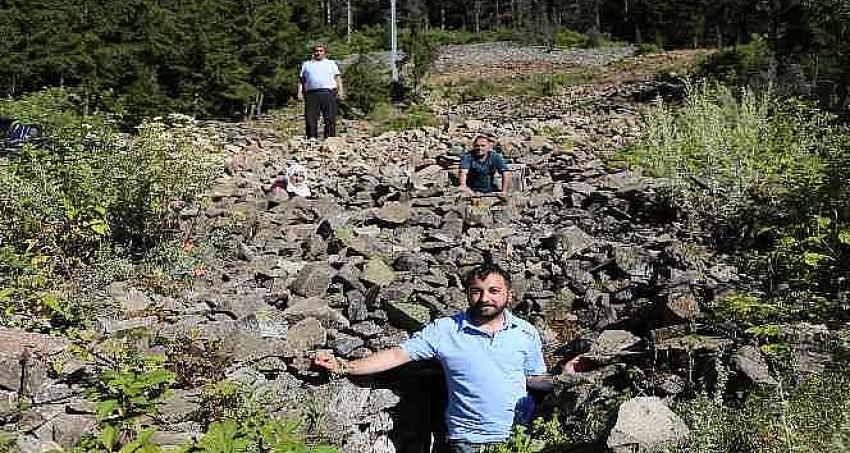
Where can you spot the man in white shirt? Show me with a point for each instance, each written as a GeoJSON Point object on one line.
{"type": "Point", "coordinates": [320, 88]}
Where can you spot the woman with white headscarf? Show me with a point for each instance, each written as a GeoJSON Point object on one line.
{"type": "Point", "coordinates": [296, 181]}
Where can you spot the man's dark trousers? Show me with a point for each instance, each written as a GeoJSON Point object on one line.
{"type": "Point", "coordinates": [316, 101]}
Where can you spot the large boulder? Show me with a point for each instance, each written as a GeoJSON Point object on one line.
{"type": "Point", "coordinates": [645, 424]}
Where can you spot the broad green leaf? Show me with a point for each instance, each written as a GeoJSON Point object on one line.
{"type": "Point", "coordinates": [108, 436]}
{"type": "Point", "coordinates": [812, 259]}
{"type": "Point", "coordinates": [99, 226]}
{"type": "Point", "coordinates": [106, 407]}
{"type": "Point", "coordinates": [844, 237]}
{"type": "Point", "coordinates": [5, 293]}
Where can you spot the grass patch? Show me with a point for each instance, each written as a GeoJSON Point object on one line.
{"type": "Point", "coordinates": [535, 85]}
{"type": "Point", "coordinates": [384, 118]}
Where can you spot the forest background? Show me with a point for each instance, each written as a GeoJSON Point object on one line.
{"type": "Point", "coordinates": [226, 58]}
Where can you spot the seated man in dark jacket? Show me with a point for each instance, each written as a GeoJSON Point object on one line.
{"type": "Point", "coordinates": [477, 168]}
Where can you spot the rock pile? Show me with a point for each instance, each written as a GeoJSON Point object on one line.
{"type": "Point", "coordinates": [507, 54]}
{"type": "Point", "coordinates": [378, 254]}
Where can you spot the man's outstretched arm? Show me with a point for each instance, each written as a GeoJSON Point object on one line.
{"type": "Point", "coordinates": [375, 363]}
{"type": "Point", "coordinates": [547, 382]}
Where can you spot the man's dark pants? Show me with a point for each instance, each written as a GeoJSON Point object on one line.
{"type": "Point", "coordinates": [324, 102]}
{"type": "Point", "coordinates": [459, 446]}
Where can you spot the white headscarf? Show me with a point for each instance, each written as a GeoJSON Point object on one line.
{"type": "Point", "coordinates": [302, 190]}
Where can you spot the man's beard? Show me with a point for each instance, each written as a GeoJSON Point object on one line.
{"type": "Point", "coordinates": [485, 312]}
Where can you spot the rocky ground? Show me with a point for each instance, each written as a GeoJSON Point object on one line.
{"type": "Point", "coordinates": [599, 262]}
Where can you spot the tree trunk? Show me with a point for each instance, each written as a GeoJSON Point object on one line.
{"type": "Point", "coordinates": [348, 22]}
{"type": "Point", "coordinates": [477, 16]}
{"type": "Point", "coordinates": [442, 17]}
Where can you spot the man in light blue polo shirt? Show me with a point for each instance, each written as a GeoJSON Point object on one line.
{"type": "Point", "coordinates": [490, 358]}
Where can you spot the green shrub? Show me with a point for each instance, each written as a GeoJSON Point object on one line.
{"type": "Point", "coordinates": [750, 64]}
{"type": "Point", "coordinates": [384, 118]}
{"type": "Point", "coordinates": [762, 174]}
{"type": "Point", "coordinates": [237, 421]}
{"type": "Point", "coordinates": [365, 40]}
{"type": "Point", "coordinates": [442, 37]}
{"type": "Point", "coordinates": [649, 48]}
{"type": "Point", "coordinates": [367, 84]}
{"type": "Point", "coordinates": [814, 417]}
{"type": "Point", "coordinates": [571, 38]}
{"type": "Point", "coordinates": [84, 192]}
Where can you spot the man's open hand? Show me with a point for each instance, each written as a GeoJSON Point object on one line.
{"type": "Point", "coordinates": [576, 365]}
{"type": "Point", "coordinates": [326, 361]}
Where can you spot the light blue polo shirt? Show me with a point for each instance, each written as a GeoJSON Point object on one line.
{"type": "Point", "coordinates": [485, 374]}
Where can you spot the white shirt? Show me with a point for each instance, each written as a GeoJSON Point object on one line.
{"type": "Point", "coordinates": [319, 74]}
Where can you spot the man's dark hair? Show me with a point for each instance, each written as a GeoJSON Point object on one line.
{"type": "Point", "coordinates": [481, 272]}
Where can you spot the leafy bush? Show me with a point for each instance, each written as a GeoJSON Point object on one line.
{"type": "Point", "coordinates": [384, 118]}
{"type": "Point", "coordinates": [649, 48]}
{"type": "Point", "coordinates": [367, 39]}
{"type": "Point", "coordinates": [367, 84]}
{"type": "Point", "coordinates": [84, 192]}
{"type": "Point", "coordinates": [750, 64]}
{"type": "Point", "coordinates": [129, 388]}
{"type": "Point", "coordinates": [811, 418]}
{"type": "Point", "coordinates": [238, 422]}
{"type": "Point", "coordinates": [763, 174]}
{"type": "Point", "coordinates": [195, 361]}
{"type": "Point", "coordinates": [571, 38]}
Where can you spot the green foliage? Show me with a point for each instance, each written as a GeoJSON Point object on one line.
{"type": "Point", "coordinates": [761, 173]}
{"type": "Point", "coordinates": [85, 192]}
{"type": "Point", "coordinates": [545, 435]}
{"type": "Point", "coordinates": [384, 118]}
{"type": "Point", "coordinates": [744, 309]}
{"type": "Point", "coordinates": [649, 48]}
{"type": "Point", "coordinates": [810, 418]}
{"type": "Point", "coordinates": [519, 442]}
{"type": "Point", "coordinates": [370, 38]}
{"type": "Point", "coordinates": [272, 436]}
{"type": "Point", "coordinates": [195, 361]}
{"type": "Point", "coordinates": [534, 85]}
{"type": "Point", "coordinates": [143, 57]}
{"type": "Point", "coordinates": [751, 64]}
{"type": "Point", "coordinates": [131, 387]}
{"type": "Point", "coordinates": [129, 392]}
{"type": "Point", "coordinates": [239, 423]}
{"type": "Point", "coordinates": [8, 442]}
{"type": "Point", "coordinates": [229, 400]}
{"type": "Point", "coordinates": [571, 38]}
{"type": "Point", "coordinates": [367, 84]}
{"type": "Point", "coordinates": [443, 37]}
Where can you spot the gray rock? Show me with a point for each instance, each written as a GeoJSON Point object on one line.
{"type": "Point", "coordinates": [132, 300]}
{"type": "Point", "coordinates": [66, 429]}
{"type": "Point", "coordinates": [344, 344]}
{"type": "Point", "coordinates": [315, 308]}
{"type": "Point", "coordinates": [367, 329]}
{"type": "Point", "coordinates": [572, 240]}
{"type": "Point", "coordinates": [610, 344]}
{"type": "Point", "coordinates": [751, 363]}
{"type": "Point", "coordinates": [408, 316]}
{"type": "Point", "coordinates": [394, 213]}
{"type": "Point", "coordinates": [378, 273]}
{"type": "Point", "coordinates": [357, 310]}
{"type": "Point", "coordinates": [308, 334]}
{"type": "Point", "coordinates": [680, 308]}
{"type": "Point", "coordinates": [645, 424]}
{"type": "Point", "coordinates": [179, 406]}
{"type": "Point", "coordinates": [108, 326]}
{"type": "Point", "coordinates": [634, 262]}
{"type": "Point", "coordinates": [313, 280]}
